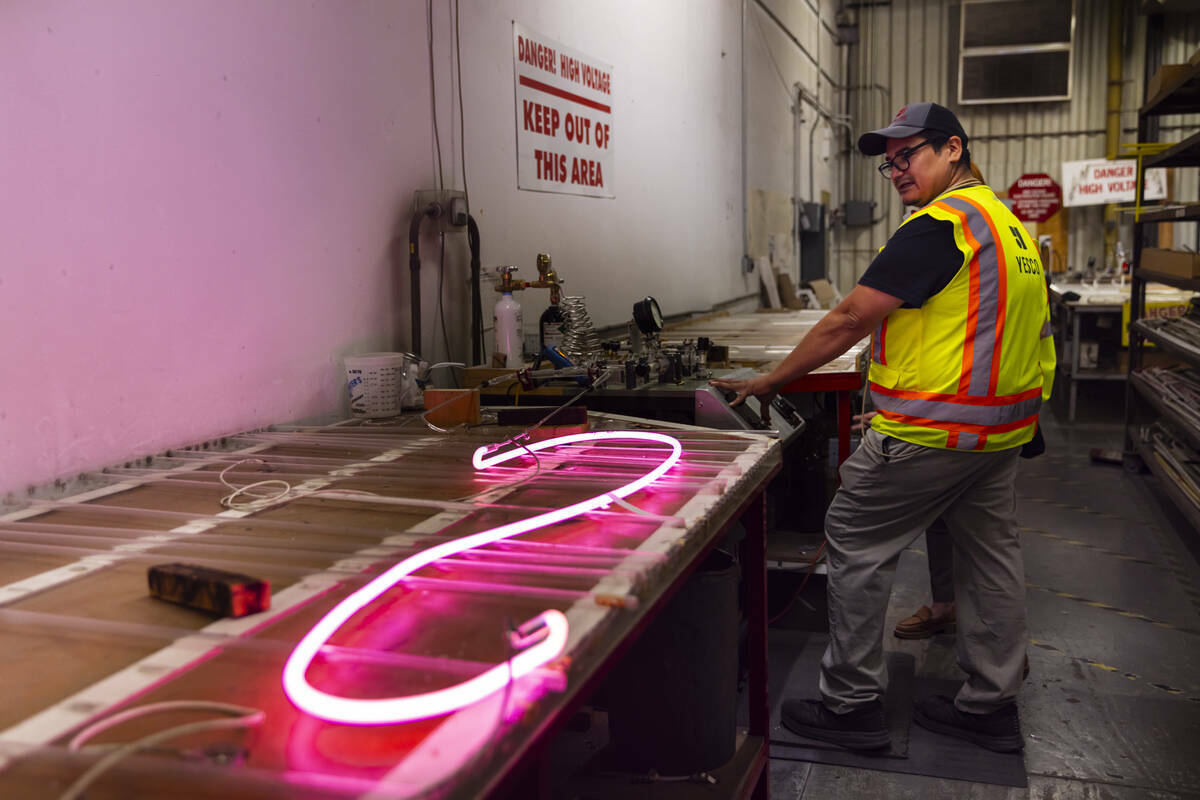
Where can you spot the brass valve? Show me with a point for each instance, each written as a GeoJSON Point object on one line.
{"type": "Point", "coordinates": [507, 284]}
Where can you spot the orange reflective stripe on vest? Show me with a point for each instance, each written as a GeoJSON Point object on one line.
{"type": "Point", "coordinates": [985, 411]}
{"type": "Point", "coordinates": [968, 369]}
{"type": "Point", "coordinates": [985, 316]}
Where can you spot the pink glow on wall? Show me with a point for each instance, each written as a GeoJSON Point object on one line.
{"type": "Point", "coordinates": [198, 199]}
{"type": "Point", "coordinates": [541, 639]}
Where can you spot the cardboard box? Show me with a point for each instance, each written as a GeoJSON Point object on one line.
{"type": "Point", "coordinates": [1177, 263]}
{"type": "Point", "coordinates": [1150, 358]}
{"type": "Point", "coordinates": [787, 292]}
{"type": "Point", "coordinates": [1166, 75]}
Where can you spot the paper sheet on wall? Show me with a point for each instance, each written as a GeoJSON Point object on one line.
{"type": "Point", "coordinates": [768, 213]}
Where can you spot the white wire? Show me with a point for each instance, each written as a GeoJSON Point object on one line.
{"type": "Point", "coordinates": [245, 717]}
{"type": "Point", "coordinates": [626, 504]}
{"type": "Point", "coordinates": [260, 498]}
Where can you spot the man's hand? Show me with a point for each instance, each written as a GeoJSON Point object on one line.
{"type": "Point", "coordinates": [860, 421]}
{"type": "Point", "coordinates": [760, 387]}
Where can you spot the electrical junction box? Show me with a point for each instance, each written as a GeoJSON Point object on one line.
{"type": "Point", "coordinates": [858, 213]}
{"type": "Point", "coordinates": [451, 206]}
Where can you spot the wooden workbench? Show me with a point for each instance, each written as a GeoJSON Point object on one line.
{"type": "Point", "coordinates": [82, 638]}
{"type": "Point", "coordinates": [762, 339]}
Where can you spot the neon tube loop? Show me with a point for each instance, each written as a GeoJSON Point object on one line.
{"type": "Point", "coordinates": [549, 629]}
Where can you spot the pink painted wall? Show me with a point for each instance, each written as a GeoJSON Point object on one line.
{"type": "Point", "coordinates": [197, 198]}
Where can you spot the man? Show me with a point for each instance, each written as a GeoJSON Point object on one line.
{"type": "Point", "coordinates": [961, 361]}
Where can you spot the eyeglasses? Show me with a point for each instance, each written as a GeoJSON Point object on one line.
{"type": "Point", "coordinates": [900, 161]}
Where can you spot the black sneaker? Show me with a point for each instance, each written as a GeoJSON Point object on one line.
{"type": "Point", "coordinates": [860, 729]}
{"type": "Point", "coordinates": [999, 731]}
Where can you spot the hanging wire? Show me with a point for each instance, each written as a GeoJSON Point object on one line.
{"type": "Point", "coordinates": [441, 300]}
{"type": "Point", "coordinates": [437, 140]}
{"type": "Point", "coordinates": [462, 147]}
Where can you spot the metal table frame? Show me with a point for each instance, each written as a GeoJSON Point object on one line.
{"type": "Point", "coordinates": [1070, 317]}
{"type": "Point", "coordinates": [529, 775]}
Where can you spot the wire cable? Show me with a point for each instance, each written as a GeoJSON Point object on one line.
{"type": "Point", "coordinates": [441, 299]}
{"type": "Point", "coordinates": [437, 140]}
{"type": "Point", "coordinates": [462, 145]}
{"type": "Point", "coordinates": [812, 567]}
{"type": "Point", "coordinates": [243, 717]}
{"type": "Point", "coordinates": [252, 490]}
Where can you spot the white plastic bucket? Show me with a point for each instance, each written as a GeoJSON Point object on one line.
{"type": "Point", "coordinates": [374, 382]}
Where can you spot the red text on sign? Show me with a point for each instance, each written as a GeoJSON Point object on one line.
{"type": "Point", "coordinates": [550, 166]}
{"type": "Point", "coordinates": [535, 55]}
{"type": "Point", "coordinates": [586, 172]}
{"type": "Point", "coordinates": [579, 129]}
{"type": "Point", "coordinates": [539, 118]}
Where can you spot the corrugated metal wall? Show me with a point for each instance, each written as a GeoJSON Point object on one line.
{"type": "Point", "coordinates": [1181, 39]}
{"type": "Point", "coordinates": [910, 52]}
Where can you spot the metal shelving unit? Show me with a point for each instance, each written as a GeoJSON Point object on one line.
{"type": "Point", "coordinates": [1183, 213]}
{"type": "Point", "coordinates": [1150, 276]}
{"type": "Point", "coordinates": [1181, 500]}
{"type": "Point", "coordinates": [1178, 96]}
{"type": "Point", "coordinates": [1165, 343]}
{"type": "Point", "coordinates": [1189, 432]}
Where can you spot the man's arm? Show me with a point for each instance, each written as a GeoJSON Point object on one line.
{"type": "Point", "coordinates": [853, 318]}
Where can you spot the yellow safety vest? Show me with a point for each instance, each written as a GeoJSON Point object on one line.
{"type": "Point", "coordinates": [970, 368]}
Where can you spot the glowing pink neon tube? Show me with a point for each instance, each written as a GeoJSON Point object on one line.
{"type": "Point", "coordinates": [551, 626]}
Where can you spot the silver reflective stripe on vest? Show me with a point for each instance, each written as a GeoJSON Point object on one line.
{"type": "Point", "coordinates": [1047, 329]}
{"type": "Point", "coordinates": [944, 411]}
{"type": "Point", "coordinates": [989, 296]}
{"type": "Point", "coordinates": [877, 344]}
{"type": "Point", "coordinates": [967, 441]}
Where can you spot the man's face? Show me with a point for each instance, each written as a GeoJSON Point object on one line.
{"type": "Point", "coordinates": [928, 173]}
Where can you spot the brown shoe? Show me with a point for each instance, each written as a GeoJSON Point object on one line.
{"type": "Point", "coordinates": [922, 624]}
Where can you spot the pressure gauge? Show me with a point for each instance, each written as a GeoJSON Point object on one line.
{"type": "Point", "coordinates": [648, 316]}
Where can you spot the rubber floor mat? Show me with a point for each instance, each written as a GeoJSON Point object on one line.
{"type": "Point", "coordinates": [796, 659]}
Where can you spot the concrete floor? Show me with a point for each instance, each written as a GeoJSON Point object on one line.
{"type": "Point", "coordinates": [1112, 705]}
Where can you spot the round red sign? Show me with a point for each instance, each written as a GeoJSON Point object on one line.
{"type": "Point", "coordinates": [1035, 197]}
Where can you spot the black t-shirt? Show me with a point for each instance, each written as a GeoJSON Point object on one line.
{"type": "Point", "coordinates": [918, 261]}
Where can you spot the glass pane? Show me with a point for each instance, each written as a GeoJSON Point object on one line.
{"type": "Point", "coordinates": [1016, 22]}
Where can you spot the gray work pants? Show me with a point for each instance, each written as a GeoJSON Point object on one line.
{"type": "Point", "coordinates": [884, 503]}
{"type": "Point", "coordinates": [939, 550]}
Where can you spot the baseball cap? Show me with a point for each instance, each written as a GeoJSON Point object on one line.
{"type": "Point", "coordinates": [909, 121]}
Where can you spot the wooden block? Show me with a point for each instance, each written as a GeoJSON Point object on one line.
{"type": "Point", "coordinates": [554, 431]}
{"type": "Point", "coordinates": [463, 410]}
{"type": "Point", "coordinates": [766, 276]}
{"type": "Point", "coordinates": [531, 415]}
{"type": "Point", "coordinates": [226, 594]}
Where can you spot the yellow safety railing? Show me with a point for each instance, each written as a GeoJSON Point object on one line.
{"type": "Point", "coordinates": [1140, 150]}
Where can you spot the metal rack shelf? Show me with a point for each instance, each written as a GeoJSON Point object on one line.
{"type": "Point", "coordinates": [1178, 96]}
{"type": "Point", "coordinates": [1167, 344]}
{"type": "Point", "coordinates": [1184, 154]}
{"type": "Point", "coordinates": [1170, 280]}
{"type": "Point", "coordinates": [1183, 213]}
{"type": "Point", "coordinates": [1172, 490]}
{"type": "Point", "coordinates": [1185, 428]}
